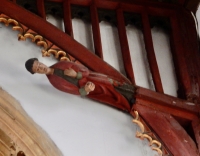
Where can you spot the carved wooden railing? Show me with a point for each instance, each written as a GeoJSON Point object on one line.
{"type": "Point", "coordinates": [181, 45]}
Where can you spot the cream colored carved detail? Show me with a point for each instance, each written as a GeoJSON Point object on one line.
{"type": "Point", "coordinates": [155, 145]}
{"type": "Point", "coordinates": [57, 54]}
{"type": "Point", "coordinates": [39, 40]}
{"type": "Point", "coordinates": [19, 135]}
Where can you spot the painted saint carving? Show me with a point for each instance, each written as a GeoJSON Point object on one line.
{"type": "Point", "coordinates": [76, 79]}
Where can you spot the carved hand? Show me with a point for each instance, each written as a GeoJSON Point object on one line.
{"type": "Point", "coordinates": [70, 72]}
{"type": "Point", "coordinates": [89, 86]}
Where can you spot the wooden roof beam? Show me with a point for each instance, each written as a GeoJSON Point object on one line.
{"type": "Point", "coordinates": [167, 104]}
{"type": "Point", "coordinates": [41, 9]}
{"type": "Point", "coordinates": [96, 30]}
{"type": "Point", "coordinates": [151, 53]}
{"type": "Point", "coordinates": [169, 131]}
{"type": "Point", "coordinates": [124, 45]}
{"type": "Point", "coordinates": [67, 18]}
{"type": "Point", "coordinates": [178, 51]}
{"type": "Point", "coordinates": [196, 129]}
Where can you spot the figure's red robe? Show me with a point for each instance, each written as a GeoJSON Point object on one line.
{"type": "Point", "coordinates": [104, 91]}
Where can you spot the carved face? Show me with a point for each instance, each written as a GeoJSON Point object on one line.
{"type": "Point", "coordinates": [40, 68]}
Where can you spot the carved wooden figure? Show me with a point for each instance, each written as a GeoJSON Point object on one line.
{"type": "Point", "coordinates": [76, 79]}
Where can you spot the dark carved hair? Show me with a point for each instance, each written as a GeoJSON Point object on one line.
{"type": "Point", "coordinates": [29, 64]}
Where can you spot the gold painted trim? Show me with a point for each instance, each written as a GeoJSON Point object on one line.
{"type": "Point", "coordinates": [25, 33]}
{"type": "Point", "coordinates": [155, 145]}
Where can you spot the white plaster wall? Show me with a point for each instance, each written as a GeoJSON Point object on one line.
{"type": "Point", "coordinates": [78, 126]}
{"type": "Point", "coordinates": [139, 58]}
{"type": "Point", "coordinates": [140, 63]}
{"type": "Point", "coordinates": [111, 46]}
{"type": "Point", "coordinates": [165, 63]}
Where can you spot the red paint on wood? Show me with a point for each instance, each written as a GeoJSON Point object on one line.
{"type": "Point", "coordinates": [62, 40]}
{"type": "Point", "coordinates": [145, 3]}
{"type": "Point", "coordinates": [151, 54]}
{"type": "Point", "coordinates": [190, 43]}
{"type": "Point", "coordinates": [135, 6]}
{"type": "Point", "coordinates": [196, 129]}
{"type": "Point", "coordinates": [67, 18]}
{"type": "Point", "coordinates": [182, 2]}
{"type": "Point", "coordinates": [81, 2]}
{"type": "Point", "coordinates": [96, 30]}
{"type": "Point", "coordinates": [59, 1]}
{"type": "Point", "coordinates": [41, 9]}
{"type": "Point", "coordinates": [124, 45]}
{"type": "Point", "coordinates": [162, 101]}
{"type": "Point", "coordinates": [173, 110]}
{"type": "Point", "coordinates": [152, 8]}
{"type": "Point", "coordinates": [165, 12]}
{"type": "Point", "coordinates": [14, 1]}
{"type": "Point", "coordinates": [169, 130]}
{"type": "Point", "coordinates": [132, 8]}
{"type": "Point", "coordinates": [179, 59]}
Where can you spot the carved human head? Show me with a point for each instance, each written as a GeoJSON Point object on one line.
{"type": "Point", "coordinates": [29, 64]}
{"type": "Point", "coordinates": [34, 66]}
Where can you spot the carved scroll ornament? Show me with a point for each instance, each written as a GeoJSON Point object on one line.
{"type": "Point", "coordinates": [155, 145]}
{"type": "Point", "coordinates": [24, 33]}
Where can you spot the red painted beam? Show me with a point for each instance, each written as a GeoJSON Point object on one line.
{"type": "Point", "coordinates": [62, 40]}
{"type": "Point", "coordinates": [96, 30]}
{"type": "Point", "coordinates": [81, 2]}
{"type": "Point", "coordinates": [169, 131]}
{"type": "Point", "coordinates": [177, 112]}
{"type": "Point", "coordinates": [190, 43]}
{"type": "Point", "coordinates": [59, 1]}
{"type": "Point", "coordinates": [145, 3]}
{"type": "Point", "coordinates": [150, 8]}
{"type": "Point", "coordinates": [124, 45]}
{"type": "Point", "coordinates": [164, 12]}
{"type": "Point", "coordinates": [14, 1]}
{"type": "Point", "coordinates": [41, 9]}
{"type": "Point", "coordinates": [182, 2]}
{"type": "Point", "coordinates": [179, 59]}
{"type": "Point", "coordinates": [67, 18]}
{"type": "Point", "coordinates": [196, 129]}
{"type": "Point", "coordinates": [167, 104]}
{"type": "Point", "coordinates": [151, 54]}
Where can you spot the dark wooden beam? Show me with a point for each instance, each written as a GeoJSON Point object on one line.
{"type": "Point", "coordinates": [168, 104]}
{"type": "Point", "coordinates": [14, 1]}
{"type": "Point", "coordinates": [169, 131]}
{"type": "Point", "coordinates": [67, 17]}
{"type": "Point", "coordinates": [192, 5]}
{"type": "Point", "coordinates": [41, 9]}
{"type": "Point", "coordinates": [145, 3]}
{"type": "Point", "coordinates": [151, 54]}
{"type": "Point", "coordinates": [196, 129]}
{"type": "Point", "coordinates": [82, 3]}
{"type": "Point", "coordinates": [152, 8]}
{"type": "Point", "coordinates": [136, 7]}
{"type": "Point", "coordinates": [182, 2]}
{"type": "Point", "coordinates": [59, 1]}
{"type": "Point", "coordinates": [124, 45]}
{"type": "Point", "coordinates": [178, 51]}
{"type": "Point", "coordinates": [96, 30]}
{"type": "Point", "coordinates": [190, 44]}
{"type": "Point", "coordinates": [62, 40]}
